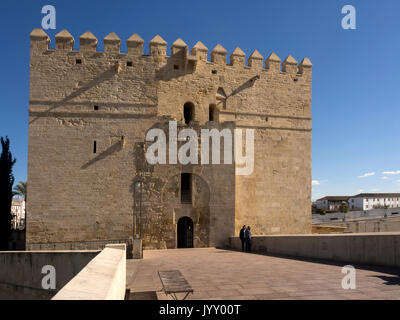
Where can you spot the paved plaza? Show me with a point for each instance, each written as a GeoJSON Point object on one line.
{"type": "Point", "coordinates": [217, 274]}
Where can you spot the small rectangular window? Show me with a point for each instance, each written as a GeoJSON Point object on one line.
{"type": "Point", "coordinates": [96, 108]}
{"type": "Point", "coordinates": [94, 147]}
{"type": "Point", "coordinates": [176, 67]}
{"type": "Point", "coordinates": [129, 63]}
{"type": "Point", "coordinates": [78, 61]}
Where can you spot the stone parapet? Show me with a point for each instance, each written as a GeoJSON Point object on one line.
{"type": "Point", "coordinates": [104, 278]}
{"type": "Point", "coordinates": [362, 248]}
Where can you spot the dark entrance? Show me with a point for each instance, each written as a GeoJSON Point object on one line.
{"type": "Point", "coordinates": [185, 233]}
{"type": "Point", "coordinates": [188, 112]}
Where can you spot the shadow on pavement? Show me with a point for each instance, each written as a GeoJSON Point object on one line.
{"type": "Point", "coordinates": [376, 268]}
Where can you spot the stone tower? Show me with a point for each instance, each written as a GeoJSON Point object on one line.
{"type": "Point", "coordinates": [90, 111]}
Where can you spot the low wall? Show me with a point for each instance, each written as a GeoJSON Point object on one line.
{"type": "Point", "coordinates": [104, 278]}
{"type": "Point", "coordinates": [339, 216]}
{"type": "Point", "coordinates": [21, 271]}
{"type": "Point", "coordinates": [367, 248]}
{"type": "Point", "coordinates": [390, 224]}
{"type": "Point", "coordinates": [81, 245]}
{"type": "Point", "coordinates": [328, 229]}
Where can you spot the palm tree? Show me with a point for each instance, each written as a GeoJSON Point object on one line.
{"type": "Point", "coordinates": [20, 189]}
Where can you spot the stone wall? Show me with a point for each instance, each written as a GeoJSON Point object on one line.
{"type": "Point", "coordinates": [82, 245]}
{"type": "Point", "coordinates": [355, 215]}
{"type": "Point", "coordinates": [21, 271]}
{"type": "Point", "coordinates": [104, 278]}
{"type": "Point", "coordinates": [324, 229]}
{"type": "Point", "coordinates": [113, 98]}
{"type": "Point", "coordinates": [390, 224]}
{"type": "Point", "coordinates": [366, 248]}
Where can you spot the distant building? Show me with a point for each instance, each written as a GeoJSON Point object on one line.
{"type": "Point", "coordinates": [18, 214]}
{"type": "Point", "coordinates": [331, 202]}
{"type": "Point", "coordinates": [368, 201]}
{"type": "Point", "coordinates": [362, 201]}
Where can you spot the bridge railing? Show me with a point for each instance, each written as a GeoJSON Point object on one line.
{"type": "Point", "coordinates": [104, 278]}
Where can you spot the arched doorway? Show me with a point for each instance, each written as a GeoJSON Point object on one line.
{"type": "Point", "coordinates": [185, 233]}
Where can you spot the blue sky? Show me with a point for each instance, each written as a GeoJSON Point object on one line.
{"type": "Point", "coordinates": [356, 94]}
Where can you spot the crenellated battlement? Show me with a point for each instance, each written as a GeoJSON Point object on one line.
{"type": "Point", "coordinates": [88, 43]}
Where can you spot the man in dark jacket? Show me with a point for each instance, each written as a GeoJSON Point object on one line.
{"type": "Point", "coordinates": [247, 236]}
{"type": "Point", "coordinates": [241, 236]}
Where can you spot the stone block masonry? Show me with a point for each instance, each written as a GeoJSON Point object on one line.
{"type": "Point", "coordinates": [89, 112]}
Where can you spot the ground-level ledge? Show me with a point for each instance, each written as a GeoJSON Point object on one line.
{"type": "Point", "coordinates": [104, 278]}
{"type": "Point", "coordinates": [365, 248]}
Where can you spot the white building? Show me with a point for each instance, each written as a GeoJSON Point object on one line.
{"type": "Point", "coordinates": [368, 201]}
{"type": "Point", "coordinates": [331, 202]}
{"type": "Point", "coordinates": [18, 213]}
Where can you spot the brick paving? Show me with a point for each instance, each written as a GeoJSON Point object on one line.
{"type": "Point", "coordinates": [229, 275]}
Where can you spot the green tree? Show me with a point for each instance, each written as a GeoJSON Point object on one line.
{"type": "Point", "coordinates": [21, 189]}
{"type": "Point", "coordinates": [344, 207]}
{"type": "Point", "coordinates": [6, 193]}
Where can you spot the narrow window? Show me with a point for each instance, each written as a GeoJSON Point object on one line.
{"type": "Point", "coordinates": [78, 61]}
{"type": "Point", "coordinates": [94, 147]}
{"type": "Point", "coordinates": [176, 67]}
{"type": "Point", "coordinates": [186, 188]}
{"type": "Point", "coordinates": [213, 113]}
{"type": "Point", "coordinates": [96, 108]}
{"type": "Point", "coordinates": [188, 112]}
{"type": "Point", "coordinates": [129, 64]}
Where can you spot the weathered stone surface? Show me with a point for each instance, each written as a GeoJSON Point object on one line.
{"type": "Point", "coordinates": [135, 45]}
{"type": "Point", "coordinates": [112, 43]}
{"type": "Point", "coordinates": [238, 57]}
{"type": "Point", "coordinates": [273, 63]}
{"type": "Point", "coordinates": [218, 55]}
{"type": "Point", "coordinates": [64, 40]}
{"type": "Point", "coordinates": [93, 195]}
{"type": "Point", "coordinates": [88, 42]}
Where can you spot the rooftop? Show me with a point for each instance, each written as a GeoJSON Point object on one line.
{"type": "Point", "coordinates": [376, 195]}
{"type": "Point", "coordinates": [335, 198]}
{"type": "Point", "coordinates": [361, 195]}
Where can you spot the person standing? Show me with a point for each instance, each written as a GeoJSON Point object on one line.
{"type": "Point", "coordinates": [242, 236]}
{"type": "Point", "coordinates": [248, 239]}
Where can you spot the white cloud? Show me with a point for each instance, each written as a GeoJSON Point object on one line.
{"type": "Point", "coordinates": [367, 175]}
{"type": "Point", "coordinates": [315, 183]}
{"type": "Point", "coordinates": [385, 178]}
{"type": "Point", "coordinates": [391, 172]}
